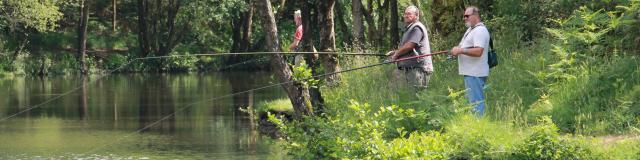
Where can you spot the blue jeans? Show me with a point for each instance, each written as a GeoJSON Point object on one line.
{"type": "Point", "coordinates": [474, 86]}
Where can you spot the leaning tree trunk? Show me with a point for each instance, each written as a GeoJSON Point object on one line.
{"type": "Point", "coordinates": [298, 95]}
{"type": "Point", "coordinates": [358, 25]}
{"type": "Point", "coordinates": [82, 36]}
{"type": "Point", "coordinates": [328, 40]}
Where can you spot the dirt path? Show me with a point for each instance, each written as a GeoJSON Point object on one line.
{"type": "Point", "coordinates": [607, 140]}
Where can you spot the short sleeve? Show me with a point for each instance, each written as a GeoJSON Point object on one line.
{"type": "Point", "coordinates": [415, 35]}
{"type": "Point", "coordinates": [481, 38]}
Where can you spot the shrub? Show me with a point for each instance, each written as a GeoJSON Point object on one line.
{"type": "Point", "coordinates": [115, 61]}
{"type": "Point", "coordinates": [546, 143]}
{"type": "Point", "coordinates": [65, 64]}
{"type": "Point", "coordinates": [358, 132]}
{"type": "Point", "coordinates": [181, 61]}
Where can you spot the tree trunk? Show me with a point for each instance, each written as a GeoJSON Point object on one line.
{"type": "Point", "coordinates": [342, 24]}
{"type": "Point", "coordinates": [143, 33]}
{"type": "Point", "coordinates": [310, 33]}
{"type": "Point", "coordinates": [395, 31]}
{"type": "Point", "coordinates": [159, 28]}
{"type": "Point", "coordinates": [298, 95]}
{"type": "Point", "coordinates": [115, 2]}
{"type": "Point", "coordinates": [166, 45]}
{"type": "Point", "coordinates": [241, 36]}
{"type": "Point", "coordinates": [383, 22]}
{"type": "Point", "coordinates": [328, 40]}
{"type": "Point", "coordinates": [235, 36]}
{"type": "Point", "coordinates": [82, 36]}
{"type": "Point", "coordinates": [372, 31]}
{"type": "Point", "coordinates": [246, 28]}
{"type": "Point", "coordinates": [358, 25]}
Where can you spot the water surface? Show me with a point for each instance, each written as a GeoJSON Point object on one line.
{"type": "Point", "coordinates": [125, 117]}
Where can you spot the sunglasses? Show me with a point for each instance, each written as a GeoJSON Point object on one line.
{"type": "Point", "coordinates": [466, 16]}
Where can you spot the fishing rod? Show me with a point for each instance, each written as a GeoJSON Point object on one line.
{"type": "Point", "coordinates": [266, 53]}
{"type": "Point", "coordinates": [214, 54]}
{"type": "Point", "coordinates": [256, 89]}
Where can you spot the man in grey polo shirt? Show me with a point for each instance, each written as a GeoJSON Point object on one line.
{"type": "Point", "coordinates": [414, 42]}
{"type": "Point", "coordinates": [472, 58]}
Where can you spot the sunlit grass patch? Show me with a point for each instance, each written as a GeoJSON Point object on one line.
{"type": "Point", "coordinates": [474, 138]}
{"type": "Point", "coordinates": [278, 105]}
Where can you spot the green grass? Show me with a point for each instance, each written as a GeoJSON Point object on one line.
{"type": "Point", "coordinates": [601, 100]}
{"type": "Point", "coordinates": [278, 105]}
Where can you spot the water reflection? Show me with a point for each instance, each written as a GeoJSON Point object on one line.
{"type": "Point", "coordinates": [156, 103]}
{"type": "Point", "coordinates": [102, 112]}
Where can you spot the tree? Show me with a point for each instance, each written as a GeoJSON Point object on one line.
{"type": "Point", "coordinates": [376, 30]}
{"type": "Point", "coordinates": [82, 36]}
{"type": "Point", "coordinates": [383, 21]}
{"type": "Point", "coordinates": [298, 94]}
{"type": "Point", "coordinates": [445, 16]}
{"type": "Point", "coordinates": [395, 31]}
{"type": "Point", "coordinates": [358, 25]}
{"type": "Point", "coordinates": [328, 39]}
{"type": "Point", "coordinates": [310, 28]}
{"type": "Point", "coordinates": [241, 20]}
{"type": "Point", "coordinates": [159, 28]}
{"type": "Point", "coordinates": [346, 36]}
{"type": "Point", "coordinates": [20, 14]}
{"type": "Point", "coordinates": [115, 4]}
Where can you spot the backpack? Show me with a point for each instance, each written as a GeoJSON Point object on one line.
{"type": "Point", "coordinates": [492, 58]}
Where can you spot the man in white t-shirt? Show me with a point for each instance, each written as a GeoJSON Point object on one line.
{"type": "Point", "coordinates": [472, 58]}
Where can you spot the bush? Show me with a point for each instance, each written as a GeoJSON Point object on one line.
{"type": "Point", "coordinates": [182, 62]}
{"type": "Point", "coordinates": [546, 143]}
{"type": "Point", "coordinates": [6, 65]}
{"type": "Point", "coordinates": [429, 145]}
{"type": "Point", "coordinates": [115, 61]}
{"type": "Point", "coordinates": [357, 132]}
{"type": "Point", "coordinates": [65, 64]}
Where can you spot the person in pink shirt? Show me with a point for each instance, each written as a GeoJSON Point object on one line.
{"type": "Point", "coordinates": [297, 17]}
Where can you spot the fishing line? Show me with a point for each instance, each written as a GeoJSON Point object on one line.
{"type": "Point", "coordinates": [160, 57]}
{"type": "Point", "coordinates": [65, 93]}
{"type": "Point", "coordinates": [255, 89]}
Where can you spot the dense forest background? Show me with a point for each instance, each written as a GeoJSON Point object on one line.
{"type": "Point", "coordinates": [567, 87]}
{"type": "Point", "coordinates": [47, 37]}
